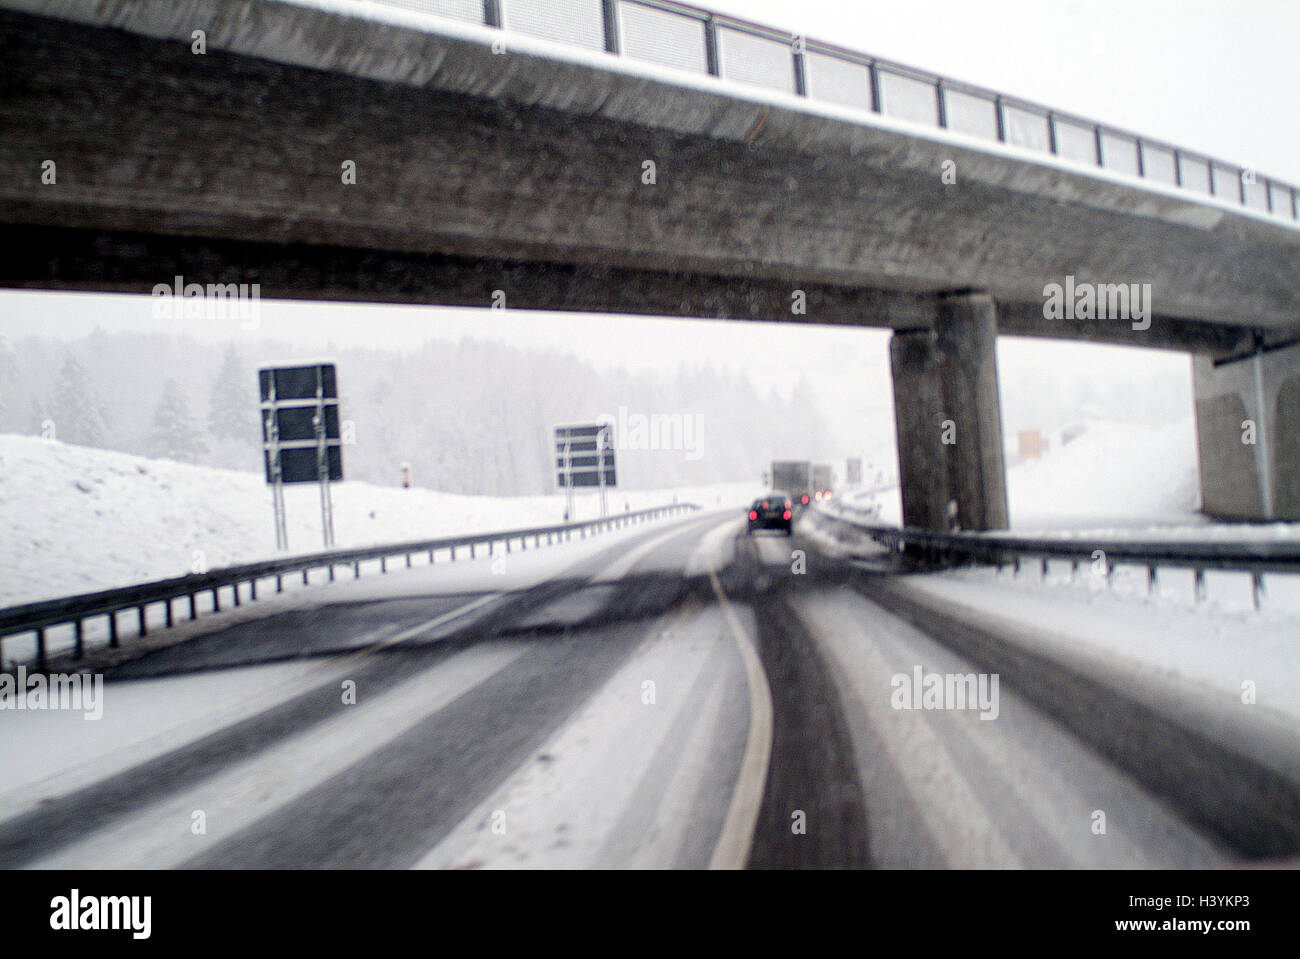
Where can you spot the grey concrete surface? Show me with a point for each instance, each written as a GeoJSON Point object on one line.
{"type": "Point", "coordinates": [529, 158]}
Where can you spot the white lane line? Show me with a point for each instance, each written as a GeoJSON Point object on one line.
{"type": "Point", "coordinates": [733, 848]}
{"type": "Point", "coordinates": [434, 623]}
{"type": "Point", "coordinates": [159, 835]}
{"type": "Point", "coordinates": [716, 550]}
{"type": "Point", "coordinates": [623, 565]}
{"type": "Point", "coordinates": [558, 809]}
{"type": "Point", "coordinates": [856, 650]}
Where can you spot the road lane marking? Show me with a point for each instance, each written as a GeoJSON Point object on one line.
{"type": "Point", "coordinates": [157, 835]}
{"type": "Point", "coordinates": [434, 623]}
{"type": "Point", "coordinates": [620, 568]}
{"type": "Point", "coordinates": [733, 848]}
{"type": "Point", "coordinates": [564, 801]}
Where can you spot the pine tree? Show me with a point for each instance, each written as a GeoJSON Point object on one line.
{"type": "Point", "coordinates": [175, 436]}
{"type": "Point", "coordinates": [232, 410]}
{"type": "Point", "coordinates": [74, 408]}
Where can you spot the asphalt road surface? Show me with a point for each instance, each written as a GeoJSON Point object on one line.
{"type": "Point", "coordinates": [681, 696]}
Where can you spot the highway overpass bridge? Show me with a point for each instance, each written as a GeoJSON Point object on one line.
{"type": "Point", "coordinates": [629, 156]}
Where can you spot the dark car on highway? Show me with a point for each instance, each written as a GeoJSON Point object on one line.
{"type": "Point", "coordinates": [773, 511]}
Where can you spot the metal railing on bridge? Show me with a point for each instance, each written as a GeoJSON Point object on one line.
{"type": "Point", "coordinates": [931, 549]}
{"type": "Point", "coordinates": [38, 617]}
{"type": "Point", "coordinates": [693, 39]}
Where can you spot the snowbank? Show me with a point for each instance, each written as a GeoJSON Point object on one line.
{"type": "Point", "coordinates": [78, 519]}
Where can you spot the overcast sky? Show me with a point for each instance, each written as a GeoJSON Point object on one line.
{"type": "Point", "coordinates": [1214, 76]}
{"type": "Point", "coordinates": [1217, 76]}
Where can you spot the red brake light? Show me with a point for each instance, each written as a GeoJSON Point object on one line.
{"type": "Point", "coordinates": [818, 496]}
{"type": "Point", "coordinates": [786, 515]}
{"type": "Point", "coordinates": [753, 514]}
{"type": "Point", "coordinates": [788, 504]}
{"type": "Point", "coordinates": [805, 499]}
{"type": "Point", "coordinates": [828, 494]}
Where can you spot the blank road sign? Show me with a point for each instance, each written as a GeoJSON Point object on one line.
{"type": "Point", "coordinates": [299, 423]}
{"type": "Point", "coordinates": [293, 398]}
{"type": "Point", "coordinates": [299, 382]}
{"type": "Point", "coordinates": [298, 464]}
{"type": "Point", "coordinates": [584, 456]}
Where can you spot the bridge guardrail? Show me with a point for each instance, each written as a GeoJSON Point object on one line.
{"type": "Point", "coordinates": [936, 549]}
{"type": "Point", "coordinates": [692, 38]}
{"type": "Point", "coordinates": [39, 616]}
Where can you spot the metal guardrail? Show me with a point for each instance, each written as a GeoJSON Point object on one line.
{"type": "Point", "coordinates": [38, 617]}
{"type": "Point", "coordinates": [692, 38]}
{"type": "Point", "coordinates": [936, 549]}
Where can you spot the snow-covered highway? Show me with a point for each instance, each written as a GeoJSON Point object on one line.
{"type": "Point", "coordinates": [681, 695]}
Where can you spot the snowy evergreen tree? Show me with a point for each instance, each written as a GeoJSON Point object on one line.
{"type": "Point", "coordinates": [232, 410]}
{"type": "Point", "coordinates": [75, 408]}
{"type": "Point", "coordinates": [174, 435]}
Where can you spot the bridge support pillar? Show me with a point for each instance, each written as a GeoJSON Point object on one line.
{"type": "Point", "coordinates": [948, 418]}
{"type": "Point", "coordinates": [1248, 435]}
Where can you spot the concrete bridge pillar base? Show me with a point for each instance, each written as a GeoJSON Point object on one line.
{"type": "Point", "coordinates": [948, 418]}
{"type": "Point", "coordinates": [1248, 435]}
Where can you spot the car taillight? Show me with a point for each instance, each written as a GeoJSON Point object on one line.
{"type": "Point", "coordinates": [785, 515]}
{"type": "Point", "coordinates": [753, 514]}
{"type": "Point", "coordinates": [818, 497]}
{"type": "Point", "coordinates": [805, 499]}
{"type": "Point", "coordinates": [828, 495]}
{"type": "Point", "coordinates": [788, 504]}
{"type": "Point", "coordinates": [765, 504]}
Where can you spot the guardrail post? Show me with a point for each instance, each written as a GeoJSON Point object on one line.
{"type": "Point", "coordinates": [873, 79]}
{"type": "Point", "coordinates": [356, 569]}
{"type": "Point", "coordinates": [216, 600]}
{"type": "Point", "coordinates": [140, 618]}
{"type": "Point", "coordinates": [194, 606]}
{"type": "Point", "coordinates": [170, 622]}
{"type": "Point", "coordinates": [112, 630]}
{"type": "Point", "coordinates": [1256, 587]}
{"type": "Point", "coordinates": [1042, 569]}
{"type": "Point", "coordinates": [492, 13]}
{"type": "Point", "coordinates": [1001, 116]}
{"type": "Point", "coordinates": [383, 564]}
{"type": "Point", "coordinates": [252, 589]}
{"type": "Point", "coordinates": [1151, 580]}
{"type": "Point", "coordinates": [40, 649]}
{"type": "Point", "coordinates": [331, 568]}
{"type": "Point", "coordinates": [471, 550]}
{"type": "Point", "coordinates": [79, 641]}
{"type": "Point", "coordinates": [279, 583]}
{"type": "Point", "coordinates": [235, 590]}
{"type": "Point", "coordinates": [304, 578]}
{"type": "Point", "coordinates": [408, 560]}
{"type": "Point", "coordinates": [1198, 584]}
